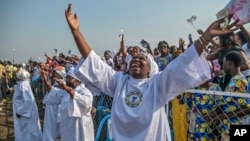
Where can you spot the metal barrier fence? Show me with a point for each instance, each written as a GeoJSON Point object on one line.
{"type": "Point", "coordinates": [38, 89]}
{"type": "Point", "coordinates": [209, 114]}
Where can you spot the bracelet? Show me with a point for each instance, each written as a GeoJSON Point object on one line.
{"type": "Point", "coordinates": [199, 39]}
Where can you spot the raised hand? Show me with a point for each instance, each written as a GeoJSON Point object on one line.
{"type": "Point", "coordinates": [61, 84]}
{"type": "Point", "coordinates": [181, 42]}
{"type": "Point", "coordinates": [200, 31]}
{"type": "Point", "coordinates": [72, 19]}
{"type": "Point", "coordinates": [43, 75]}
{"type": "Point", "coordinates": [215, 30]}
{"type": "Point", "coordinates": [74, 25]}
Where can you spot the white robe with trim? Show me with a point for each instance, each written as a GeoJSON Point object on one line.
{"type": "Point", "coordinates": [26, 128]}
{"type": "Point", "coordinates": [141, 116]}
{"type": "Point", "coordinates": [75, 114]}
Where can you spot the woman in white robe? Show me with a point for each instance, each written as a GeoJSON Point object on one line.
{"type": "Point", "coordinates": [26, 119]}
{"type": "Point", "coordinates": [75, 108]}
{"type": "Point", "coordinates": [51, 126]}
{"type": "Point", "coordinates": [138, 112]}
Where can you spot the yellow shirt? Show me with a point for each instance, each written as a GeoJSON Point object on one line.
{"type": "Point", "coordinates": [2, 71]}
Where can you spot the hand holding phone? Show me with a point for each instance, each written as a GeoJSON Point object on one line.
{"type": "Point", "coordinates": [121, 35]}
{"type": "Point", "coordinates": [190, 38]}
{"type": "Point", "coordinates": [144, 43]}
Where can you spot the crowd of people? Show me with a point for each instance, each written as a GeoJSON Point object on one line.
{"type": "Point", "coordinates": [141, 81]}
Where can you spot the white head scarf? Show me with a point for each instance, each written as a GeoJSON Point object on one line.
{"type": "Point", "coordinates": [22, 74]}
{"type": "Point", "coordinates": [72, 74]}
{"type": "Point", "coordinates": [152, 64]}
{"type": "Point", "coordinates": [61, 71]}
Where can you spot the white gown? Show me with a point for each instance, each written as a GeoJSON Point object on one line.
{"type": "Point", "coordinates": [26, 128]}
{"type": "Point", "coordinates": [138, 104]}
{"type": "Point", "coordinates": [75, 114]}
{"type": "Point", "coordinates": [51, 126]}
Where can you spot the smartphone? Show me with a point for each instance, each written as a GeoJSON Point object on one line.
{"type": "Point", "coordinates": [190, 38]}
{"type": "Point", "coordinates": [55, 50]}
{"type": "Point", "coordinates": [144, 43]}
{"type": "Point", "coordinates": [120, 35]}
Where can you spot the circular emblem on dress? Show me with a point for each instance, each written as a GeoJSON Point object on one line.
{"type": "Point", "coordinates": [133, 99]}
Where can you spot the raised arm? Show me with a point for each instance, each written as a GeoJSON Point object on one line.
{"type": "Point", "coordinates": [63, 86]}
{"type": "Point", "coordinates": [74, 26]}
{"type": "Point", "coordinates": [122, 47]}
{"type": "Point", "coordinates": [44, 78]}
{"type": "Point", "coordinates": [212, 31]}
{"type": "Point", "coordinates": [246, 33]}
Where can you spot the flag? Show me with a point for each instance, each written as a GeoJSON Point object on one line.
{"type": "Point", "coordinates": [240, 9]}
{"type": "Point", "coordinates": [192, 19]}
{"type": "Point", "coordinates": [69, 52]}
{"type": "Point", "coordinates": [120, 35]}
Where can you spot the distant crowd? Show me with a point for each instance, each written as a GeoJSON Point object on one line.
{"type": "Point", "coordinates": [145, 82]}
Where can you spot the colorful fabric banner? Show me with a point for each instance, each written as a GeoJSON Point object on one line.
{"type": "Point", "coordinates": [240, 9]}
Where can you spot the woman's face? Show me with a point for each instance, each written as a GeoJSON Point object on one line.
{"type": "Point", "coordinates": [238, 40]}
{"type": "Point", "coordinates": [156, 51]}
{"type": "Point", "coordinates": [130, 50]}
{"type": "Point", "coordinates": [163, 49]}
{"type": "Point", "coordinates": [56, 75]}
{"type": "Point", "coordinates": [107, 55]}
{"type": "Point", "coordinates": [139, 67]}
{"type": "Point", "coordinates": [136, 50]}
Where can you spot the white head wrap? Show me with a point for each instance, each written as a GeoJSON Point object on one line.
{"type": "Point", "coordinates": [72, 74]}
{"type": "Point", "coordinates": [153, 66]}
{"type": "Point", "coordinates": [61, 71]}
{"type": "Point", "coordinates": [22, 74]}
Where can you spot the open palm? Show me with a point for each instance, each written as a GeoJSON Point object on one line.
{"type": "Point", "coordinates": [72, 19]}
{"type": "Point", "coordinates": [215, 29]}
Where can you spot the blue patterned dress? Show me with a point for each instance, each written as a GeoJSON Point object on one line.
{"type": "Point", "coordinates": [237, 84]}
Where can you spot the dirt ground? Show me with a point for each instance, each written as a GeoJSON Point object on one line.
{"type": "Point", "coordinates": [6, 119]}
